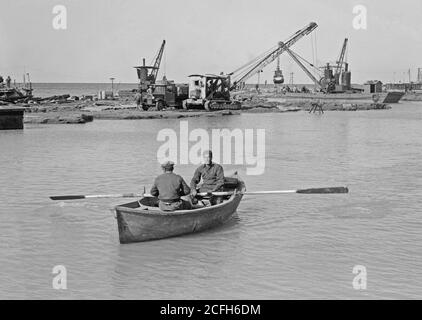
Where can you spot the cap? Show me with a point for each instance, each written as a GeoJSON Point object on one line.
{"type": "Point", "coordinates": [167, 165]}
{"type": "Point", "coordinates": [207, 153]}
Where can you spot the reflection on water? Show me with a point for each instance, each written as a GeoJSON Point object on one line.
{"type": "Point", "coordinates": [286, 246]}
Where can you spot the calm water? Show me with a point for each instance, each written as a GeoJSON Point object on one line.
{"type": "Point", "coordinates": [291, 246]}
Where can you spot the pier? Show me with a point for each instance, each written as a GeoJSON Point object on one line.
{"type": "Point", "coordinates": [11, 118]}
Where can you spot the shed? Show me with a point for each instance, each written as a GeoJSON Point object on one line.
{"type": "Point", "coordinates": [373, 86]}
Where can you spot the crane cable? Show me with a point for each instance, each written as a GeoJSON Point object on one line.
{"type": "Point", "coordinates": [312, 48]}
{"type": "Point", "coordinates": [306, 61]}
{"type": "Point", "coordinates": [254, 61]}
{"type": "Point", "coordinates": [165, 64]}
{"type": "Point", "coordinates": [316, 48]}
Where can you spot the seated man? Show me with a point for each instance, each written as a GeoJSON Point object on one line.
{"type": "Point", "coordinates": [212, 175]}
{"type": "Point", "coordinates": [169, 187]}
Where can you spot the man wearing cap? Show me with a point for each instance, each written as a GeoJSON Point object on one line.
{"type": "Point", "coordinates": [212, 175]}
{"type": "Point", "coordinates": [169, 187]}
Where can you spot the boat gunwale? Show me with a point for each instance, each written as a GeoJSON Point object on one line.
{"type": "Point", "coordinates": [155, 212]}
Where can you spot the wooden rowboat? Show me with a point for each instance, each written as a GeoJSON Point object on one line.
{"type": "Point", "coordinates": [142, 221]}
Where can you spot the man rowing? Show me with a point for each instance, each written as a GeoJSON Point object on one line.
{"type": "Point", "coordinates": [169, 187]}
{"type": "Point", "coordinates": [212, 175]}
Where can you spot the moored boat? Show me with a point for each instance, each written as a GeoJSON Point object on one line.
{"type": "Point", "coordinates": [142, 221]}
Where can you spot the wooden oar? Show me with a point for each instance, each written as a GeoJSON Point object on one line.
{"type": "Point", "coordinates": [76, 197]}
{"type": "Point", "coordinates": [329, 190]}
{"type": "Point", "coordinates": [203, 194]}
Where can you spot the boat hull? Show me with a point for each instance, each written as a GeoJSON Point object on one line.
{"type": "Point", "coordinates": [137, 224]}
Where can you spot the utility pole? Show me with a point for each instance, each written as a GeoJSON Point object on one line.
{"type": "Point", "coordinates": [419, 75]}
{"type": "Point", "coordinates": [291, 78]}
{"type": "Point", "coordinates": [112, 86]}
{"type": "Point", "coordinates": [259, 77]}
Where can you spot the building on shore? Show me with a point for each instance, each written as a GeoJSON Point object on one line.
{"type": "Point", "coordinates": [412, 86]}
{"type": "Point", "coordinates": [372, 86]}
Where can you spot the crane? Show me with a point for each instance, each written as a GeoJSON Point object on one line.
{"type": "Point", "coordinates": [302, 66]}
{"type": "Point", "coordinates": [212, 92]}
{"type": "Point", "coordinates": [260, 63]}
{"type": "Point", "coordinates": [147, 75]}
{"type": "Point", "coordinates": [327, 82]}
{"type": "Point", "coordinates": [340, 61]}
{"type": "Point", "coordinates": [157, 62]}
{"type": "Point", "coordinates": [152, 94]}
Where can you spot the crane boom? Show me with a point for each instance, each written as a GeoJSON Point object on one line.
{"type": "Point", "coordinates": [270, 57]}
{"type": "Point", "coordinates": [310, 75]}
{"type": "Point", "coordinates": [342, 55]}
{"type": "Point", "coordinates": [157, 62]}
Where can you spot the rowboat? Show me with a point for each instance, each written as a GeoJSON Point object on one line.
{"type": "Point", "coordinates": [142, 220]}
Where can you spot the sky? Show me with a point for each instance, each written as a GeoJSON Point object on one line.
{"type": "Point", "coordinates": [106, 38]}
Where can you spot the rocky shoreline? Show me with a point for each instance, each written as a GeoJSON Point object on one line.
{"type": "Point", "coordinates": [65, 111]}
{"type": "Point", "coordinates": [412, 96]}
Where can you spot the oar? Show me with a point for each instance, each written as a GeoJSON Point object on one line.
{"type": "Point", "coordinates": [329, 190]}
{"type": "Point", "coordinates": [76, 197]}
{"type": "Point", "coordinates": [136, 195]}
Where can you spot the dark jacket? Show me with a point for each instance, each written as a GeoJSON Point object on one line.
{"type": "Point", "coordinates": [169, 186]}
{"type": "Point", "coordinates": [212, 177]}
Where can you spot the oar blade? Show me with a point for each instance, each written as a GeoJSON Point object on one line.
{"type": "Point", "coordinates": [324, 190]}
{"type": "Point", "coordinates": [73, 197]}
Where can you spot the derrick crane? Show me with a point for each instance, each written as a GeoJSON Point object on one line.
{"type": "Point", "coordinates": [258, 65]}
{"type": "Point", "coordinates": [302, 66]}
{"type": "Point", "coordinates": [157, 62]}
{"type": "Point", "coordinates": [212, 92]}
{"type": "Point", "coordinates": [330, 81]}
{"type": "Point", "coordinates": [155, 94]}
{"type": "Point", "coordinates": [147, 75]}
{"type": "Point", "coordinates": [340, 61]}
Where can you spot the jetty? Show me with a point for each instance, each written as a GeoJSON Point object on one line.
{"type": "Point", "coordinates": [11, 118]}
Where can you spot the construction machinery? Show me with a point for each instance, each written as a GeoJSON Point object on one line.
{"type": "Point", "coordinates": [337, 78]}
{"type": "Point", "coordinates": [333, 78]}
{"type": "Point", "coordinates": [147, 75]}
{"type": "Point", "coordinates": [212, 92]}
{"type": "Point", "coordinates": [158, 94]}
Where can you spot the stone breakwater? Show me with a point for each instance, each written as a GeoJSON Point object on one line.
{"type": "Point", "coordinates": [82, 111]}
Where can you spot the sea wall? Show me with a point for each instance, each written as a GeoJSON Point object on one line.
{"type": "Point", "coordinates": [11, 118]}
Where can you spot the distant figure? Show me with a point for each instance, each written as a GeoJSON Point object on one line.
{"type": "Point", "coordinates": [169, 187]}
{"type": "Point", "coordinates": [138, 99]}
{"type": "Point", "coordinates": [8, 81]}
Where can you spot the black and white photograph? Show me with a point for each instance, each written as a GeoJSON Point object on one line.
{"type": "Point", "coordinates": [210, 150]}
